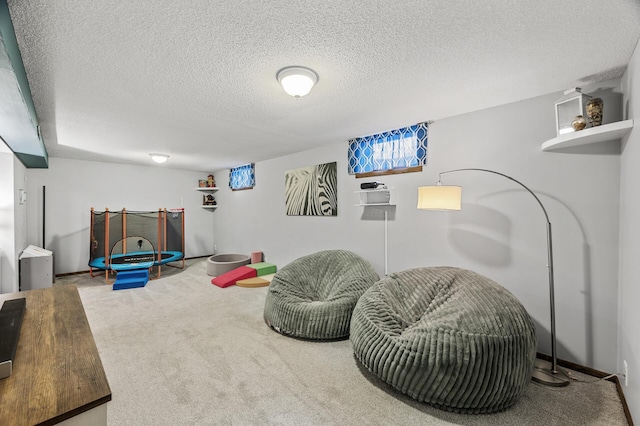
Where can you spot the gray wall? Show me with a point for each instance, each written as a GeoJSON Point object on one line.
{"type": "Point", "coordinates": [13, 219]}
{"type": "Point", "coordinates": [13, 226]}
{"type": "Point", "coordinates": [500, 232]}
{"type": "Point", "coordinates": [629, 315]}
{"type": "Point", "coordinates": [19, 212]}
{"type": "Point", "coordinates": [8, 266]}
{"type": "Point", "coordinates": [74, 186]}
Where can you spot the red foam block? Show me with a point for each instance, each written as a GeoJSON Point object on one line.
{"type": "Point", "coordinates": [229, 278]}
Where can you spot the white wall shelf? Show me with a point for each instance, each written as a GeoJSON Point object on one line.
{"type": "Point", "coordinates": [374, 197]}
{"type": "Point", "coordinates": [603, 133]}
{"type": "Point", "coordinates": [208, 190]}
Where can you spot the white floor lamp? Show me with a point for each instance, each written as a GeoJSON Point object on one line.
{"type": "Point", "coordinates": [441, 197]}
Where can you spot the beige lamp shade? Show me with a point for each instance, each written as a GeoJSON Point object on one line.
{"type": "Point", "coordinates": [439, 197]}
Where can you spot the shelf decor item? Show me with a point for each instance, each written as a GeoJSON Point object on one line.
{"type": "Point", "coordinates": [594, 111]}
{"type": "Point", "coordinates": [209, 200]}
{"type": "Point", "coordinates": [567, 108]}
{"type": "Point", "coordinates": [579, 123]}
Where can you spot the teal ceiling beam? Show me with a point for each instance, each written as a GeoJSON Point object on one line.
{"type": "Point", "coordinates": [18, 120]}
{"type": "Point", "coordinates": [32, 161]}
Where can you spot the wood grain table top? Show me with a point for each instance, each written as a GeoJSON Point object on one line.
{"type": "Point", "coordinates": [57, 371]}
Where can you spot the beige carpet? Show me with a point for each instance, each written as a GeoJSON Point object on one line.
{"type": "Point", "coordinates": [183, 352]}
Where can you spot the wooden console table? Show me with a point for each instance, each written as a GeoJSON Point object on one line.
{"type": "Point", "coordinates": [57, 376]}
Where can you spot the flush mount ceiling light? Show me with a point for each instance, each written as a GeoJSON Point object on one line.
{"type": "Point", "coordinates": [159, 158]}
{"type": "Point", "coordinates": [297, 81]}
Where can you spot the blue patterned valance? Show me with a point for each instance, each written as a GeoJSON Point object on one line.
{"type": "Point", "coordinates": [400, 148]}
{"type": "Point", "coordinates": [242, 177]}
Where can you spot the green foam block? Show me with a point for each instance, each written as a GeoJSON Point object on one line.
{"type": "Point", "coordinates": [263, 268]}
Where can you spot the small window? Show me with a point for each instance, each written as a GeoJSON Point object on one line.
{"type": "Point", "coordinates": [396, 151]}
{"type": "Point", "coordinates": [242, 177]}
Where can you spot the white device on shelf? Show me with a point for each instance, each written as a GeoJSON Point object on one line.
{"type": "Point", "coordinates": [372, 185]}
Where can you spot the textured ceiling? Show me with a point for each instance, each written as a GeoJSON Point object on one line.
{"type": "Point", "coordinates": [116, 80]}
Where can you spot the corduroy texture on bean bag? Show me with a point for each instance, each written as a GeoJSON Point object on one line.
{"type": "Point", "coordinates": [446, 336]}
{"type": "Point", "coordinates": [313, 296]}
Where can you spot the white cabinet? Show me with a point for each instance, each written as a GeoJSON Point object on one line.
{"type": "Point", "coordinates": [208, 191]}
{"type": "Point", "coordinates": [36, 268]}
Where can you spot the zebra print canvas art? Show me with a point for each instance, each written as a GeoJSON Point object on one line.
{"type": "Point", "coordinates": [312, 191]}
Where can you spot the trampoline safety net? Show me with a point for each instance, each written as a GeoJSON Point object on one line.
{"type": "Point", "coordinates": [110, 230]}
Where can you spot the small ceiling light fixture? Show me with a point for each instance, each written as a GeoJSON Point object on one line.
{"type": "Point", "coordinates": [159, 158]}
{"type": "Point", "coordinates": [297, 81]}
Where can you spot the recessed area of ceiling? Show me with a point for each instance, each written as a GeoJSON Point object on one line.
{"type": "Point", "coordinates": [115, 82]}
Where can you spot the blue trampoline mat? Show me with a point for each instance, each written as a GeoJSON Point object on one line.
{"type": "Point", "coordinates": [136, 260]}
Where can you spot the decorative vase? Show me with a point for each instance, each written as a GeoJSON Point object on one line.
{"type": "Point", "coordinates": [579, 123]}
{"type": "Point", "coordinates": [594, 112]}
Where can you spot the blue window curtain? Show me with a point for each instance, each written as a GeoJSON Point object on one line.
{"type": "Point", "coordinates": [400, 148]}
{"type": "Point", "coordinates": [242, 177]}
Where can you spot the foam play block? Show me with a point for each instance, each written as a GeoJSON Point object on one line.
{"type": "Point", "coordinates": [131, 279]}
{"type": "Point", "coordinates": [267, 277]}
{"type": "Point", "coordinates": [263, 268]}
{"type": "Point", "coordinates": [253, 282]}
{"type": "Point", "coordinates": [229, 278]}
{"type": "Point", "coordinates": [262, 281]}
{"type": "Point", "coordinates": [256, 256]}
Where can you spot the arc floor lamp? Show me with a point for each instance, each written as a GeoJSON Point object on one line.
{"type": "Point", "coordinates": [445, 197]}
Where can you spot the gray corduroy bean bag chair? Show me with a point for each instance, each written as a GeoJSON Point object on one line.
{"type": "Point", "coordinates": [313, 296]}
{"type": "Point", "coordinates": [446, 336]}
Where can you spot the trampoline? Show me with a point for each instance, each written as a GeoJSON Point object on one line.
{"type": "Point", "coordinates": [130, 240]}
{"type": "Point", "coordinates": [136, 260]}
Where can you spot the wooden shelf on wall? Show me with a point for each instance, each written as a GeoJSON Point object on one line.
{"type": "Point", "coordinates": [603, 133]}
